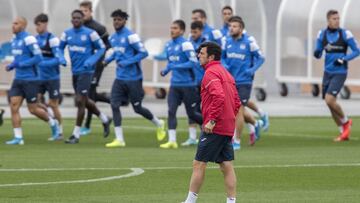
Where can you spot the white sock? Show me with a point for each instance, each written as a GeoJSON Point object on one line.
{"type": "Point", "coordinates": [61, 129]}
{"type": "Point", "coordinates": [251, 128]}
{"type": "Point", "coordinates": [156, 121]}
{"type": "Point", "coordinates": [172, 135]}
{"type": "Point", "coordinates": [259, 123]}
{"type": "Point", "coordinates": [341, 129]}
{"type": "Point", "coordinates": [76, 131]}
{"type": "Point", "coordinates": [344, 120]}
{"type": "Point", "coordinates": [119, 133]}
{"type": "Point", "coordinates": [50, 112]}
{"type": "Point", "coordinates": [18, 133]}
{"type": "Point", "coordinates": [230, 200]}
{"type": "Point", "coordinates": [192, 132]}
{"type": "Point", "coordinates": [261, 112]}
{"type": "Point", "coordinates": [103, 117]}
{"type": "Point", "coordinates": [191, 198]}
{"type": "Point", "coordinates": [236, 140]}
{"type": "Point", "coordinates": [51, 121]}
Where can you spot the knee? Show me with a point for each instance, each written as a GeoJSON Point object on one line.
{"type": "Point", "coordinates": [329, 100]}
{"type": "Point", "coordinates": [137, 108]}
{"type": "Point", "coordinates": [32, 109]}
{"type": "Point", "coordinates": [115, 106]}
{"type": "Point", "coordinates": [198, 165]}
{"type": "Point", "coordinates": [79, 102]}
{"type": "Point", "coordinates": [53, 104]}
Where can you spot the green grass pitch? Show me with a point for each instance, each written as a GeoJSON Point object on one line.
{"type": "Point", "coordinates": [296, 161]}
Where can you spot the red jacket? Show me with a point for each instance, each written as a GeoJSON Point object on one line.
{"type": "Point", "coordinates": [219, 98]}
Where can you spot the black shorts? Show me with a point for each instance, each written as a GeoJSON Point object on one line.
{"type": "Point", "coordinates": [188, 95]}
{"type": "Point", "coordinates": [81, 83]}
{"type": "Point", "coordinates": [25, 89]}
{"type": "Point", "coordinates": [332, 83]}
{"type": "Point", "coordinates": [244, 91]}
{"type": "Point", "coordinates": [123, 91]}
{"type": "Point", "coordinates": [214, 148]}
{"type": "Point", "coordinates": [50, 86]}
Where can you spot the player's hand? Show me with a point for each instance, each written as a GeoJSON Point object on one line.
{"type": "Point", "coordinates": [12, 66]}
{"type": "Point", "coordinates": [208, 128]}
{"type": "Point", "coordinates": [249, 72]}
{"type": "Point", "coordinates": [339, 62]}
{"type": "Point", "coordinates": [63, 62]}
{"type": "Point", "coordinates": [87, 64]}
{"type": "Point", "coordinates": [104, 64]}
{"type": "Point", "coordinates": [317, 54]}
{"type": "Point", "coordinates": [164, 72]}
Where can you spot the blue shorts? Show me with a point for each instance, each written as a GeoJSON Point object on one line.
{"type": "Point", "coordinates": [244, 91]}
{"type": "Point", "coordinates": [25, 89]}
{"type": "Point", "coordinates": [50, 86]}
{"type": "Point", "coordinates": [332, 83]}
{"type": "Point", "coordinates": [82, 83]}
{"type": "Point", "coordinates": [188, 95]}
{"type": "Point", "coordinates": [123, 91]}
{"type": "Point", "coordinates": [198, 101]}
{"type": "Point", "coordinates": [214, 148]}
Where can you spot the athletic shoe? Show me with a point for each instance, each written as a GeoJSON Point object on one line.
{"type": "Point", "coordinates": [252, 139]}
{"type": "Point", "coordinates": [169, 145]}
{"type": "Point", "coordinates": [115, 143]}
{"type": "Point", "coordinates": [346, 129]}
{"type": "Point", "coordinates": [266, 122]}
{"type": "Point", "coordinates": [55, 129]}
{"type": "Point", "coordinates": [72, 140]}
{"type": "Point", "coordinates": [340, 138]}
{"type": "Point", "coordinates": [257, 129]}
{"type": "Point", "coordinates": [236, 146]}
{"type": "Point", "coordinates": [60, 137]}
{"type": "Point", "coordinates": [15, 141]}
{"type": "Point", "coordinates": [160, 132]}
{"type": "Point", "coordinates": [107, 127]}
{"type": "Point", "coordinates": [84, 131]}
{"type": "Point", "coordinates": [189, 142]}
{"type": "Point", "coordinates": [2, 111]}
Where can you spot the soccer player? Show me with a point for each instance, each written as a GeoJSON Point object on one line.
{"type": "Point", "coordinates": [209, 33]}
{"type": "Point", "coordinates": [86, 8]}
{"type": "Point", "coordinates": [196, 39]}
{"type": "Point", "coordinates": [182, 62]}
{"type": "Point", "coordinates": [85, 48]}
{"type": "Point", "coordinates": [27, 55]}
{"type": "Point", "coordinates": [227, 13]}
{"type": "Point", "coordinates": [219, 106]}
{"type": "Point", "coordinates": [128, 53]}
{"type": "Point", "coordinates": [49, 73]}
{"type": "Point", "coordinates": [335, 41]}
{"type": "Point", "coordinates": [243, 58]}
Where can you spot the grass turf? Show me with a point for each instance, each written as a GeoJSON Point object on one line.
{"type": "Point", "coordinates": [296, 161]}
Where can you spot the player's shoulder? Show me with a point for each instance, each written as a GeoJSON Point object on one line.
{"type": "Point", "coordinates": [53, 40]}
{"type": "Point", "coordinates": [132, 37]}
{"type": "Point", "coordinates": [187, 46]}
{"type": "Point", "coordinates": [347, 33]}
{"type": "Point", "coordinates": [29, 39]}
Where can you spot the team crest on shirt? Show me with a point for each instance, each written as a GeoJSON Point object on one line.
{"type": "Point", "coordinates": [83, 37]}
{"type": "Point", "coordinates": [122, 40]}
{"type": "Point", "coordinates": [242, 46]}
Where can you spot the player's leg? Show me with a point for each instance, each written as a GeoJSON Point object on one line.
{"type": "Point", "coordinates": [87, 127]}
{"type": "Point", "coordinates": [136, 95]}
{"type": "Point", "coordinates": [15, 104]}
{"type": "Point", "coordinates": [118, 96]}
{"type": "Point", "coordinates": [228, 171]}
{"type": "Point", "coordinates": [192, 140]}
{"type": "Point", "coordinates": [261, 113]}
{"type": "Point", "coordinates": [174, 100]}
{"type": "Point", "coordinates": [190, 102]}
{"type": "Point", "coordinates": [239, 125]}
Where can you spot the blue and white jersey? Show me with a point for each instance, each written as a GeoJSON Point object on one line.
{"type": "Point", "coordinates": [52, 56]}
{"type": "Point", "coordinates": [225, 30]}
{"type": "Point", "coordinates": [82, 43]}
{"type": "Point", "coordinates": [128, 53]}
{"type": "Point", "coordinates": [242, 58]}
{"type": "Point", "coordinates": [336, 43]}
{"type": "Point", "coordinates": [182, 60]}
{"type": "Point", "coordinates": [199, 70]}
{"type": "Point", "coordinates": [27, 53]}
{"type": "Point", "coordinates": [212, 35]}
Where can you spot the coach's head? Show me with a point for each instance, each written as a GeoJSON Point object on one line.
{"type": "Point", "coordinates": [207, 52]}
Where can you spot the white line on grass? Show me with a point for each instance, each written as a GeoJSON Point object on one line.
{"type": "Point", "coordinates": [134, 172]}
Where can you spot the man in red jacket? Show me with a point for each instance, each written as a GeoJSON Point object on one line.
{"type": "Point", "coordinates": [219, 106]}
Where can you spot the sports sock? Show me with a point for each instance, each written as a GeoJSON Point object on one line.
{"type": "Point", "coordinates": [191, 198]}
{"type": "Point", "coordinates": [51, 121]}
{"type": "Point", "coordinates": [156, 121]}
{"type": "Point", "coordinates": [172, 135]}
{"type": "Point", "coordinates": [119, 134]}
{"type": "Point", "coordinates": [230, 200]}
{"type": "Point", "coordinates": [344, 120]}
{"type": "Point", "coordinates": [103, 117]}
{"type": "Point", "coordinates": [18, 133]}
{"type": "Point", "coordinates": [261, 112]}
{"type": "Point", "coordinates": [192, 132]}
{"type": "Point", "coordinates": [76, 131]}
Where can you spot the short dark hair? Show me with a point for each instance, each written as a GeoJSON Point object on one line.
{"type": "Point", "coordinates": [227, 8]}
{"type": "Point", "coordinates": [41, 18]}
{"type": "Point", "coordinates": [237, 19]}
{"type": "Point", "coordinates": [181, 24]}
{"type": "Point", "coordinates": [211, 49]}
{"type": "Point", "coordinates": [86, 4]}
{"type": "Point", "coordinates": [197, 25]}
{"type": "Point", "coordinates": [119, 13]}
{"type": "Point", "coordinates": [77, 11]}
{"type": "Point", "coordinates": [201, 11]}
{"type": "Point", "coordinates": [331, 12]}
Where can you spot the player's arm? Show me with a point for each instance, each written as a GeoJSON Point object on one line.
{"type": "Point", "coordinates": [32, 45]}
{"type": "Point", "coordinates": [217, 36]}
{"type": "Point", "coordinates": [141, 53]}
{"type": "Point", "coordinates": [100, 49]}
{"type": "Point", "coordinates": [63, 43]}
{"type": "Point", "coordinates": [319, 45]}
{"type": "Point", "coordinates": [215, 89]}
{"type": "Point", "coordinates": [351, 41]}
{"type": "Point", "coordinates": [58, 59]}
{"type": "Point", "coordinates": [189, 51]}
{"type": "Point", "coordinates": [223, 53]}
{"type": "Point", "coordinates": [256, 57]}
